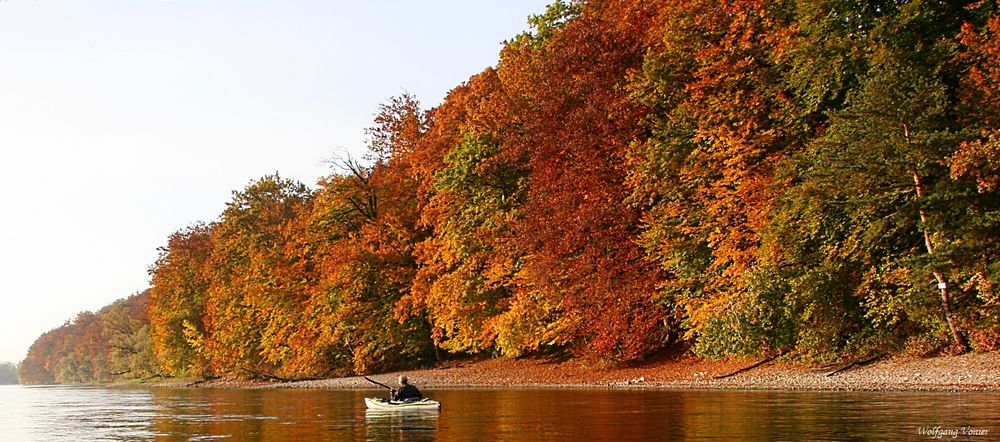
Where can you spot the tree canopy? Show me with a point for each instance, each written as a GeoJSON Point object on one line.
{"type": "Point", "coordinates": [738, 177]}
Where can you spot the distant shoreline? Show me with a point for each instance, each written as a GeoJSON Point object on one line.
{"type": "Point", "coordinates": [965, 373]}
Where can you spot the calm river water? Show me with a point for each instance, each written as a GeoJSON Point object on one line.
{"type": "Point", "coordinates": [99, 414]}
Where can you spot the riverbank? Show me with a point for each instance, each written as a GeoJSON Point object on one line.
{"type": "Point", "coordinates": [969, 372]}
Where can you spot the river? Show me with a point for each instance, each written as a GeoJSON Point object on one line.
{"type": "Point", "coordinates": [61, 413]}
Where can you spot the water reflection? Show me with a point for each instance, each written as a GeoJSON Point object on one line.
{"type": "Point", "coordinates": [251, 415]}
{"type": "Point", "coordinates": [81, 413]}
{"type": "Point", "coordinates": [404, 424]}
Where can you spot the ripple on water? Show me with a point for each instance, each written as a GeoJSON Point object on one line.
{"type": "Point", "coordinates": [95, 414]}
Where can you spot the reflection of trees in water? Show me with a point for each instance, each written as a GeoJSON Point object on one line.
{"type": "Point", "coordinates": [302, 415]}
{"type": "Point", "coordinates": [250, 414]}
{"type": "Point", "coordinates": [89, 413]}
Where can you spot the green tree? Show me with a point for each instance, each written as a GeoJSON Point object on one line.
{"type": "Point", "coordinates": [885, 213]}
{"type": "Point", "coordinates": [470, 270]}
{"type": "Point", "coordinates": [126, 329]}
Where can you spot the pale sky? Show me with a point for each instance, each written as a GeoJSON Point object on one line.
{"type": "Point", "coordinates": [124, 121]}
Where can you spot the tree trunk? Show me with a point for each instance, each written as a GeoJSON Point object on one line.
{"type": "Point", "coordinates": [942, 281]}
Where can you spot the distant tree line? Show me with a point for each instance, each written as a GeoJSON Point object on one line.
{"type": "Point", "coordinates": [817, 178]}
{"type": "Point", "coordinates": [109, 345]}
{"type": "Point", "coordinates": [8, 373]}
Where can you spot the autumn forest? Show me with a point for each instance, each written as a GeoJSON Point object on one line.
{"type": "Point", "coordinates": [814, 178]}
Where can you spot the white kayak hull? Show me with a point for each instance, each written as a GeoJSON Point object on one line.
{"type": "Point", "coordinates": [385, 404]}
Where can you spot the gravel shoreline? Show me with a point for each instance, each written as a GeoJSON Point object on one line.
{"type": "Point", "coordinates": [969, 372]}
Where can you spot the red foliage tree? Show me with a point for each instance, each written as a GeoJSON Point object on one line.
{"type": "Point", "coordinates": [583, 264]}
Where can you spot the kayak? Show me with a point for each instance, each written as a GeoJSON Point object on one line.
{"type": "Point", "coordinates": [378, 403]}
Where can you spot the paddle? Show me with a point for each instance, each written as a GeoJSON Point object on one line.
{"type": "Point", "coordinates": [377, 383]}
{"type": "Point", "coordinates": [392, 391]}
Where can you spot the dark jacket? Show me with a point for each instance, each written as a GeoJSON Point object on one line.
{"type": "Point", "coordinates": [407, 392]}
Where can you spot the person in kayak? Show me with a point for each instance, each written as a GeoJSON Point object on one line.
{"type": "Point", "coordinates": [406, 391]}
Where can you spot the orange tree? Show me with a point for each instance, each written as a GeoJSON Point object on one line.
{"type": "Point", "coordinates": [245, 301]}
{"type": "Point", "coordinates": [475, 189]}
{"type": "Point", "coordinates": [177, 300]}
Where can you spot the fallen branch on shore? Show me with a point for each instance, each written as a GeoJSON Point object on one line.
{"type": "Point", "coordinates": [858, 363]}
{"type": "Point", "coordinates": [758, 364]}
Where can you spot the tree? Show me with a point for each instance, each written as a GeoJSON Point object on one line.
{"type": "Point", "coordinates": [94, 347]}
{"type": "Point", "coordinates": [584, 281]}
{"type": "Point", "coordinates": [476, 189]}
{"type": "Point", "coordinates": [177, 301]}
{"type": "Point", "coordinates": [367, 265]}
{"type": "Point", "coordinates": [880, 164]}
{"type": "Point", "coordinates": [720, 119]}
{"type": "Point", "coordinates": [8, 373]}
{"type": "Point", "coordinates": [977, 159]}
{"type": "Point", "coordinates": [126, 329]}
{"type": "Point", "coordinates": [244, 302]}
{"type": "Point", "coordinates": [33, 369]}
